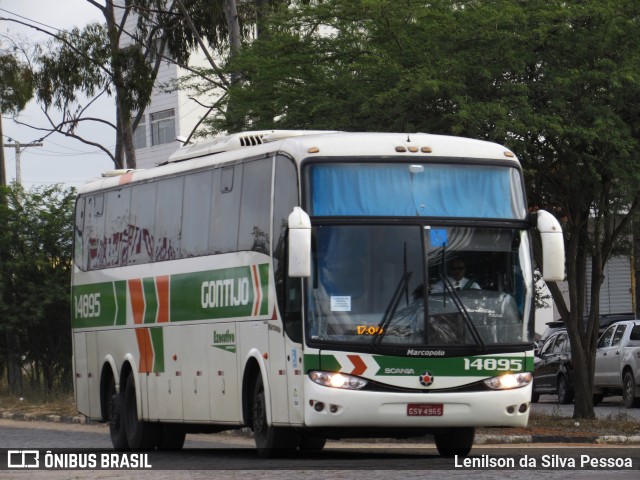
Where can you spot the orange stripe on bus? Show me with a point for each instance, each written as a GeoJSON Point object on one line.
{"type": "Point", "coordinates": [256, 281]}
{"type": "Point", "coordinates": [137, 300]}
{"type": "Point", "coordinates": [146, 350]}
{"type": "Point", "coordinates": [162, 286]}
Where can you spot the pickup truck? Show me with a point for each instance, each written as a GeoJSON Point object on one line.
{"type": "Point", "coordinates": [617, 368]}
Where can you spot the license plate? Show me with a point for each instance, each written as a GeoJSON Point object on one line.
{"type": "Point", "coordinates": [425, 410]}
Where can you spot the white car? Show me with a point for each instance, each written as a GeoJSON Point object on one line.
{"type": "Point", "coordinates": [617, 368]}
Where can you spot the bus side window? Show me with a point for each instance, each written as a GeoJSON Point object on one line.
{"type": "Point", "coordinates": [256, 205]}
{"type": "Point", "coordinates": [288, 290]}
{"type": "Point", "coordinates": [196, 213]}
{"type": "Point", "coordinates": [79, 258]}
{"type": "Point", "coordinates": [168, 219]}
{"type": "Point", "coordinates": [94, 243]}
{"type": "Point", "coordinates": [226, 204]}
{"type": "Point", "coordinates": [116, 226]}
{"type": "Point", "coordinates": [142, 224]}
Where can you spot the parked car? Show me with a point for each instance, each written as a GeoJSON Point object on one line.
{"type": "Point", "coordinates": [617, 366]}
{"type": "Point", "coordinates": [553, 369]}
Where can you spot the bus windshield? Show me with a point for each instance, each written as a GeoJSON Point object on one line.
{"type": "Point", "coordinates": [416, 285]}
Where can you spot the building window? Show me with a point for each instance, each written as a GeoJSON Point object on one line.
{"type": "Point", "coordinates": [140, 134]}
{"type": "Point", "coordinates": [163, 127]}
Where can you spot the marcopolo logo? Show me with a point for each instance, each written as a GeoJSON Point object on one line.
{"type": "Point", "coordinates": [224, 341]}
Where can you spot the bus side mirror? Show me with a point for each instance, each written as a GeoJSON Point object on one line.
{"type": "Point", "coordinates": [552, 247]}
{"type": "Point", "coordinates": [299, 243]}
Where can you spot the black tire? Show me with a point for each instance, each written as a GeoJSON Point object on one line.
{"type": "Point", "coordinates": [597, 399]}
{"type": "Point", "coordinates": [535, 397]}
{"type": "Point", "coordinates": [140, 435]}
{"type": "Point", "coordinates": [171, 437]}
{"type": "Point", "coordinates": [565, 392]}
{"type": "Point", "coordinates": [456, 441]}
{"type": "Point", "coordinates": [629, 390]}
{"type": "Point", "coordinates": [114, 412]}
{"type": "Point", "coordinates": [270, 441]}
{"type": "Point", "coordinates": [311, 444]}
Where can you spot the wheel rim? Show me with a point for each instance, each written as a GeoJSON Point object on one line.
{"type": "Point", "coordinates": [259, 416]}
{"type": "Point", "coordinates": [562, 389]}
{"type": "Point", "coordinates": [628, 389]}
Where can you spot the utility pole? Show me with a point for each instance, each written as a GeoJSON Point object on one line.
{"type": "Point", "coordinates": [19, 148]}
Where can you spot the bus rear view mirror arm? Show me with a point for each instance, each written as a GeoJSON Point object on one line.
{"type": "Point", "coordinates": [299, 243]}
{"type": "Point", "coordinates": [553, 258]}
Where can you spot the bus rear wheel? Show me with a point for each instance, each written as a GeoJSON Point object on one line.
{"type": "Point", "coordinates": [141, 435]}
{"type": "Point", "coordinates": [116, 425]}
{"type": "Point", "coordinates": [455, 441]}
{"type": "Point", "coordinates": [270, 441]}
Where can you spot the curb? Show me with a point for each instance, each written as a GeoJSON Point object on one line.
{"type": "Point", "coordinates": [479, 440]}
{"type": "Point", "coordinates": [31, 417]}
{"type": "Point", "coordinates": [587, 439]}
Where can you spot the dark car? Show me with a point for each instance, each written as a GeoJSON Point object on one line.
{"type": "Point", "coordinates": [553, 369]}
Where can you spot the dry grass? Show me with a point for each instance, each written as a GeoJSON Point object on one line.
{"type": "Point", "coordinates": [559, 425]}
{"type": "Point", "coordinates": [39, 404]}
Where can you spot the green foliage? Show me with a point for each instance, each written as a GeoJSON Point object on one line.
{"type": "Point", "coordinates": [556, 81]}
{"type": "Point", "coordinates": [35, 250]}
{"type": "Point", "coordinates": [77, 61]}
{"type": "Point", "coordinates": [16, 83]}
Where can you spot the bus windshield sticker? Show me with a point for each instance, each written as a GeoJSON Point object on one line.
{"type": "Point", "coordinates": [340, 304]}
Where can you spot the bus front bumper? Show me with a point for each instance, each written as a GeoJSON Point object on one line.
{"type": "Point", "coordinates": [335, 407]}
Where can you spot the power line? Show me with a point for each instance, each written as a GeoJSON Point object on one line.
{"type": "Point", "coordinates": [19, 149]}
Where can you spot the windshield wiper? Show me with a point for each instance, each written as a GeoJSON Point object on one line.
{"type": "Point", "coordinates": [391, 308]}
{"type": "Point", "coordinates": [448, 287]}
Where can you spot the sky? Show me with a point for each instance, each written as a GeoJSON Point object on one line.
{"type": "Point", "coordinates": [60, 160]}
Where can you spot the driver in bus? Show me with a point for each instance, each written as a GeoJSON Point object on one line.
{"type": "Point", "coordinates": [456, 278]}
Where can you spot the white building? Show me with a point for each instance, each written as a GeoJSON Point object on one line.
{"type": "Point", "coordinates": [170, 114]}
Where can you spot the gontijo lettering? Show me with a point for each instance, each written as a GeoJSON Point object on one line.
{"type": "Point", "coordinates": [230, 292]}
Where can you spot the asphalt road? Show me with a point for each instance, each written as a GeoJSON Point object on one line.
{"type": "Point", "coordinates": [234, 457]}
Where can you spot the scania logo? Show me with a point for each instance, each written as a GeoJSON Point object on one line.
{"type": "Point", "coordinates": [426, 379]}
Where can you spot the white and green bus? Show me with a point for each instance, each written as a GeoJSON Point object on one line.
{"type": "Point", "coordinates": [302, 284]}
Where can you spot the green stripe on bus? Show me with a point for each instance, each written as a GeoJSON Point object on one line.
{"type": "Point", "coordinates": [264, 280]}
{"type": "Point", "coordinates": [95, 305]}
{"type": "Point", "coordinates": [157, 340]}
{"type": "Point", "coordinates": [224, 293]}
{"type": "Point", "coordinates": [120, 288]}
{"type": "Point", "coordinates": [150, 300]}
{"type": "Point", "coordinates": [472, 366]}
{"type": "Point", "coordinates": [475, 366]}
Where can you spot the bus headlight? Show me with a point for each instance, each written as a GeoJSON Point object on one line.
{"type": "Point", "coordinates": [511, 380]}
{"type": "Point", "coordinates": [337, 380]}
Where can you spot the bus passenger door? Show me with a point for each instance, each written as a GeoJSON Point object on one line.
{"type": "Point", "coordinates": [278, 372]}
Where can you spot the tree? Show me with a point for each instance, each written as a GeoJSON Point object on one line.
{"type": "Point", "coordinates": [34, 288]}
{"type": "Point", "coordinates": [16, 89]}
{"type": "Point", "coordinates": [556, 81]}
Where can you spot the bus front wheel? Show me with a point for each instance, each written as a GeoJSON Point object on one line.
{"type": "Point", "coordinates": [455, 441]}
{"type": "Point", "coordinates": [270, 441]}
